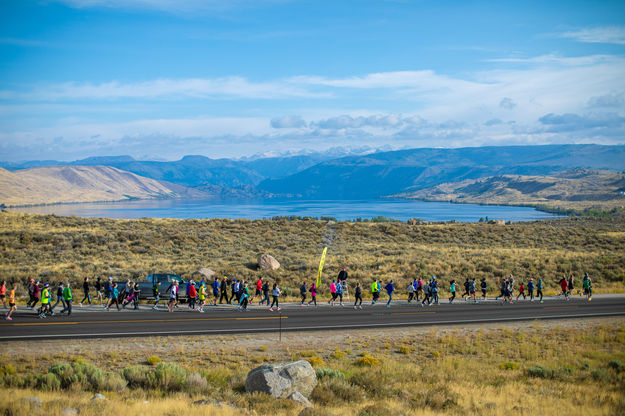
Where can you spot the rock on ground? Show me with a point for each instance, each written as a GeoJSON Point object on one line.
{"type": "Point", "coordinates": [99, 396]}
{"type": "Point", "coordinates": [34, 400]}
{"type": "Point", "coordinates": [69, 411]}
{"type": "Point", "coordinates": [281, 380]}
{"type": "Point", "coordinates": [267, 262]}
{"type": "Point", "coordinates": [299, 398]}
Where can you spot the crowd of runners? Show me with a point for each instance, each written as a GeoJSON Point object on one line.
{"type": "Point", "coordinates": [44, 299]}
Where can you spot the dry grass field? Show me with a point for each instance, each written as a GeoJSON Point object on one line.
{"type": "Point", "coordinates": [568, 367]}
{"type": "Point", "coordinates": [51, 248]}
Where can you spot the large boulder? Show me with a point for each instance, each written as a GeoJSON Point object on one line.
{"type": "Point", "coordinates": [282, 380]}
{"type": "Point", "coordinates": [207, 273]}
{"type": "Point", "coordinates": [267, 262]}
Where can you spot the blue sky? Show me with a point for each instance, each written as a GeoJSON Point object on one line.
{"type": "Point", "coordinates": [159, 79]}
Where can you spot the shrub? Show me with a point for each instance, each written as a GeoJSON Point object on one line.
{"type": "Point", "coordinates": [263, 348]}
{"type": "Point", "coordinates": [309, 353]}
{"type": "Point", "coordinates": [136, 376]}
{"type": "Point", "coordinates": [315, 361]}
{"type": "Point", "coordinates": [367, 361]}
{"type": "Point", "coordinates": [339, 354]}
{"type": "Point", "coordinates": [376, 409]}
{"type": "Point", "coordinates": [540, 372]}
{"type": "Point", "coordinates": [112, 382]}
{"type": "Point", "coordinates": [153, 360]}
{"type": "Point", "coordinates": [324, 372]}
{"type": "Point", "coordinates": [8, 369]}
{"type": "Point", "coordinates": [48, 382]}
{"type": "Point", "coordinates": [404, 349]}
{"type": "Point", "coordinates": [167, 377]}
{"type": "Point", "coordinates": [196, 383]}
{"type": "Point", "coordinates": [617, 366]}
{"type": "Point", "coordinates": [508, 366]}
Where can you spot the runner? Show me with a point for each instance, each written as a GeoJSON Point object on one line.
{"type": "Point", "coordinates": [275, 294]}
{"type": "Point", "coordinates": [36, 292]}
{"type": "Point", "coordinates": [31, 288]}
{"type": "Point", "coordinates": [484, 287]}
{"type": "Point", "coordinates": [427, 295]}
{"type": "Point", "coordinates": [223, 288]}
{"type": "Point", "coordinates": [564, 287]}
{"type": "Point", "coordinates": [45, 301]}
{"type": "Point", "coordinates": [202, 297]}
{"type": "Point", "coordinates": [434, 289]}
{"type": "Point", "coordinates": [342, 279]}
{"type": "Point", "coordinates": [358, 296]}
{"type": "Point", "coordinates": [411, 289]}
{"type": "Point", "coordinates": [452, 290]}
{"type": "Point", "coordinates": [521, 291]}
{"type": "Point", "coordinates": [245, 295]}
{"type": "Point", "coordinates": [530, 289]}
{"type": "Point", "coordinates": [136, 292]}
{"type": "Point", "coordinates": [503, 284]}
{"type": "Point", "coordinates": [419, 289]}
{"type": "Point", "coordinates": [571, 287]}
{"type": "Point", "coordinates": [98, 290]}
{"type": "Point", "coordinates": [67, 296]}
{"type": "Point", "coordinates": [157, 294]}
{"type": "Point", "coordinates": [539, 289]}
{"type": "Point", "coordinates": [313, 293]}
{"type": "Point", "coordinates": [265, 294]}
{"type": "Point", "coordinates": [215, 287]}
{"type": "Point", "coordinates": [375, 292]}
{"type": "Point", "coordinates": [3, 294]}
{"type": "Point", "coordinates": [191, 294]}
{"type": "Point", "coordinates": [129, 294]}
{"type": "Point", "coordinates": [113, 297]}
{"type": "Point", "coordinates": [259, 290]}
{"type": "Point", "coordinates": [108, 287]}
{"type": "Point", "coordinates": [472, 290]}
{"type": "Point", "coordinates": [172, 297]}
{"type": "Point", "coordinates": [465, 294]}
{"type": "Point", "coordinates": [302, 291]}
{"type": "Point", "coordinates": [12, 307]}
{"type": "Point", "coordinates": [390, 288]}
{"type": "Point", "coordinates": [234, 289]}
{"type": "Point", "coordinates": [85, 288]}
{"type": "Point", "coordinates": [332, 293]}
{"type": "Point", "coordinates": [59, 296]}
{"type": "Point", "coordinates": [587, 287]}
{"type": "Point", "coordinates": [339, 292]}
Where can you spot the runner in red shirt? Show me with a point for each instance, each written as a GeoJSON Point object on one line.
{"type": "Point", "coordinates": [564, 287]}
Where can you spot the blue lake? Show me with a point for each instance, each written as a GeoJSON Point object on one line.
{"type": "Point", "coordinates": [341, 210]}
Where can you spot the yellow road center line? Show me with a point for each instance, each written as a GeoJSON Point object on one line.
{"type": "Point", "coordinates": [143, 320]}
{"type": "Point", "coordinates": [413, 313]}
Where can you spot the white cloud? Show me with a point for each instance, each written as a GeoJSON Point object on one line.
{"type": "Point", "coordinates": [605, 34]}
{"type": "Point", "coordinates": [226, 87]}
{"type": "Point", "coordinates": [288, 122]}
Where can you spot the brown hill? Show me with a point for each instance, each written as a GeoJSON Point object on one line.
{"type": "Point", "coordinates": [62, 184]}
{"type": "Point", "coordinates": [578, 188]}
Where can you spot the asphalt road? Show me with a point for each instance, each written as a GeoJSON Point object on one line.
{"type": "Point", "coordinates": [94, 322]}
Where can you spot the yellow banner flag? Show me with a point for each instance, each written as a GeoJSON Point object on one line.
{"type": "Point", "coordinates": [323, 259]}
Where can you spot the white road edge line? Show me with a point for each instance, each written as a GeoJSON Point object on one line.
{"type": "Point", "coordinates": [292, 328]}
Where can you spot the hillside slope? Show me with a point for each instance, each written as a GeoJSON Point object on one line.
{"type": "Point", "coordinates": [388, 173]}
{"type": "Point", "coordinates": [575, 188]}
{"type": "Point", "coordinates": [59, 184]}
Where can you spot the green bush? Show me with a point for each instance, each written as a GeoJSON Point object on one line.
{"type": "Point", "coordinates": [153, 360]}
{"type": "Point", "coordinates": [136, 376]}
{"type": "Point", "coordinates": [48, 382]}
{"type": "Point", "coordinates": [617, 366]}
{"type": "Point", "coordinates": [508, 366]}
{"type": "Point", "coordinates": [324, 372]}
{"type": "Point", "coordinates": [196, 383]}
{"type": "Point", "coordinates": [167, 377]}
{"type": "Point", "coordinates": [112, 382]}
{"type": "Point", "coordinates": [376, 409]}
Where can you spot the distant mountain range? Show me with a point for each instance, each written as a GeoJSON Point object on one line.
{"type": "Point", "coordinates": [388, 173]}
{"type": "Point", "coordinates": [372, 175]}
